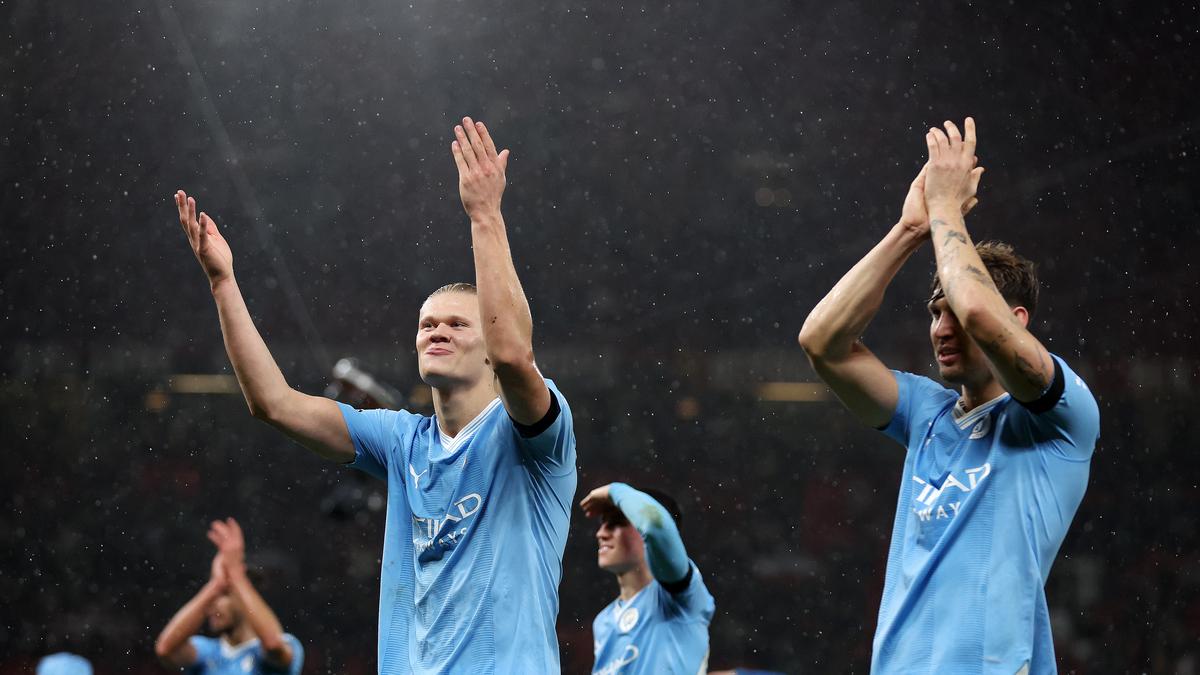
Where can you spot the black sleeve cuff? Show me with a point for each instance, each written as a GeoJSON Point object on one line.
{"type": "Point", "coordinates": [535, 429]}
{"type": "Point", "coordinates": [678, 586]}
{"type": "Point", "coordinates": [1053, 394]}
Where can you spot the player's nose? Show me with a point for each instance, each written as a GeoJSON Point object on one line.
{"type": "Point", "coordinates": [945, 325]}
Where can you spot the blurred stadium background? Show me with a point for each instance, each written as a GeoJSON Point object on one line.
{"type": "Point", "coordinates": [688, 179]}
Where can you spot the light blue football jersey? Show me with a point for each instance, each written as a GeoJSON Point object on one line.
{"type": "Point", "coordinates": [217, 657]}
{"type": "Point", "coordinates": [985, 501]}
{"type": "Point", "coordinates": [656, 632]}
{"type": "Point", "coordinates": [473, 546]}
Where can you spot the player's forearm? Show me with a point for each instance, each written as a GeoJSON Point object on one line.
{"type": "Point", "coordinates": [665, 552]}
{"type": "Point", "coordinates": [507, 324]}
{"type": "Point", "coordinates": [186, 622]}
{"type": "Point", "coordinates": [264, 622]}
{"type": "Point", "coordinates": [969, 289]}
{"type": "Point", "coordinates": [262, 383]}
{"type": "Point", "coordinates": [1020, 361]}
{"type": "Point", "coordinates": [840, 319]}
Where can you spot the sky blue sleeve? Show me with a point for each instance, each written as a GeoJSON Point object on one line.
{"type": "Point", "coordinates": [553, 448]}
{"type": "Point", "coordinates": [373, 433]}
{"type": "Point", "coordinates": [916, 396]}
{"type": "Point", "coordinates": [297, 654]}
{"type": "Point", "coordinates": [206, 648]}
{"type": "Point", "coordinates": [297, 657]}
{"type": "Point", "coordinates": [1071, 426]}
{"type": "Point", "coordinates": [664, 547]}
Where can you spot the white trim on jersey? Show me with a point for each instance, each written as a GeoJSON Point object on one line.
{"type": "Point", "coordinates": [452, 443]}
{"type": "Point", "coordinates": [229, 650]}
{"type": "Point", "coordinates": [964, 420]}
{"type": "Point", "coordinates": [619, 607]}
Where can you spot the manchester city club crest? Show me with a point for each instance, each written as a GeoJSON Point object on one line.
{"type": "Point", "coordinates": [982, 428]}
{"type": "Point", "coordinates": [628, 620]}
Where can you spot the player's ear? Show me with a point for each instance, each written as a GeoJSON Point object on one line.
{"type": "Point", "coordinates": [1022, 315]}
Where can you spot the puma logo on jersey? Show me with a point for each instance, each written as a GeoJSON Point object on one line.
{"type": "Point", "coordinates": [416, 476]}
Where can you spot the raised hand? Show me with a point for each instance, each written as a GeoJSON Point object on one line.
{"type": "Point", "coordinates": [231, 545]}
{"type": "Point", "coordinates": [915, 216]}
{"type": "Point", "coordinates": [951, 175]}
{"type": "Point", "coordinates": [597, 502]}
{"type": "Point", "coordinates": [480, 169]}
{"type": "Point", "coordinates": [217, 574]}
{"type": "Point", "coordinates": [209, 247]}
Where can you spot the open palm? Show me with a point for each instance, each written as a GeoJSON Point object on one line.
{"type": "Point", "coordinates": [208, 245]}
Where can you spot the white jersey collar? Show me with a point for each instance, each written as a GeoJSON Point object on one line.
{"type": "Point", "coordinates": [965, 419]}
{"type": "Point", "coordinates": [452, 443]}
{"type": "Point", "coordinates": [229, 650]}
{"type": "Point", "coordinates": [621, 606]}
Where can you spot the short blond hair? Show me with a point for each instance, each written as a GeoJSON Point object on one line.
{"type": "Point", "coordinates": [456, 287]}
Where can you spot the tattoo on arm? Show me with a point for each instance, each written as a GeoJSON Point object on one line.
{"type": "Point", "coordinates": [993, 345]}
{"type": "Point", "coordinates": [982, 277]}
{"type": "Point", "coordinates": [954, 235]}
{"type": "Point", "coordinates": [1029, 372]}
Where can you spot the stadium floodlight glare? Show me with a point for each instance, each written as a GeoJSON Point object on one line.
{"type": "Point", "coordinates": [355, 386]}
{"type": "Point", "coordinates": [801, 392]}
{"type": "Point", "coordinates": [204, 384]}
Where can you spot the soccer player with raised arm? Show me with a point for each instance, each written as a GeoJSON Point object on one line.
{"type": "Point", "coordinates": [659, 622]}
{"type": "Point", "coordinates": [996, 466]}
{"type": "Point", "coordinates": [479, 495]}
{"type": "Point", "coordinates": [250, 639]}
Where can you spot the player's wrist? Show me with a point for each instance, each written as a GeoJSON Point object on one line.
{"type": "Point", "coordinates": [905, 238]}
{"type": "Point", "coordinates": [222, 283]}
{"type": "Point", "coordinates": [486, 218]}
{"type": "Point", "coordinates": [910, 232]}
{"type": "Point", "coordinates": [944, 208]}
{"type": "Point", "coordinates": [236, 572]}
